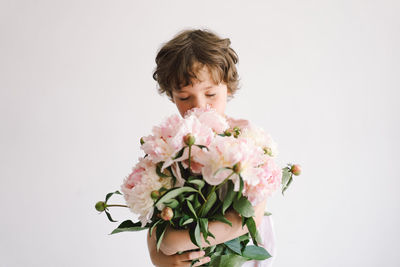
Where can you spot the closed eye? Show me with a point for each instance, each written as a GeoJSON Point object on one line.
{"type": "Point", "coordinates": [210, 95]}
{"type": "Point", "coordinates": [183, 98]}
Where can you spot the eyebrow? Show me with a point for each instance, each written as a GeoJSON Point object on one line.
{"type": "Point", "coordinates": [204, 89]}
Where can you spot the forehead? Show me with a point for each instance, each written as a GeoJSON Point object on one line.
{"type": "Point", "coordinates": [203, 81]}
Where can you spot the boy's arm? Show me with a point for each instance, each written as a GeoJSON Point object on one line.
{"type": "Point", "coordinates": [159, 259]}
{"type": "Point", "coordinates": [179, 240]}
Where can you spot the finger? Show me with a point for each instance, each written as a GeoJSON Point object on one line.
{"type": "Point", "coordinates": [188, 256]}
{"type": "Point", "coordinates": [202, 261]}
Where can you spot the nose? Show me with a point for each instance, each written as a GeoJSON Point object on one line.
{"type": "Point", "coordinates": [199, 102]}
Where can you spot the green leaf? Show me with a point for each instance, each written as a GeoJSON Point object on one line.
{"type": "Point", "coordinates": [194, 233]}
{"type": "Point", "coordinates": [229, 252]}
{"type": "Point", "coordinates": [287, 185]}
{"type": "Point", "coordinates": [255, 253]}
{"type": "Point", "coordinates": [251, 226]}
{"type": "Point", "coordinates": [172, 203]}
{"type": "Point", "coordinates": [201, 146]}
{"type": "Point", "coordinates": [228, 198]}
{"type": "Point", "coordinates": [172, 193]}
{"type": "Point", "coordinates": [243, 221]}
{"type": "Point", "coordinates": [158, 170]}
{"type": "Point", "coordinates": [191, 198]}
{"type": "Point", "coordinates": [234, 245]}
{"type": "Point", "coordinates": [215, 259]}
{"type": "Point", "coordinates": [243, 207]}
{"type": "Point", "coordinates": [160, 231]}
{"type": "Point", "coordinates": [211, 235]}
{"type": "Point", "coordinates": [220, 248]}
{"type": "Point", "coordinates": [210, 250]}
{"type": "Point", "coordinates": [191, 209]}
{"type": "Point", "coordinates": [192, 177]}
{"type": "Point", "coordinates": [196, 203]}
{"type": "Point", "coordinates": [183, 219]}
{"type": "Point", "coordinates": [153, 226]}
{"type": "Point", "coordinates": [244, 237]}
{"type": "Point", "coordinates": [228, 261]}
{"type": "Point", "coordinates": [266, 213]}
{"type": "Point", "coordinates": [110, 194]}
{"type": "Point", "coordinates": [128, 226]}
{"type": "Point", "coordinates": [285, 175]}
{"type": "Point", "coordinates": [182, 170]}
{"type": "Point", "coordinates": [244, 243]}
{"type": "Point", "coordinates": [190, 220]}
{"type": "Point", "coordinates": [200, 183]}
{"type": "Point", "coordinates": [221, 218]}
{"type": "Point", "coordinates": [204, 228]}
{"type": "Point", "coordinates": [109, 216]}
{"type": "Point", "coordinates": [216, 208]}
{"type": "Point", "coordinates": [173, 176]}
{"type": "Point", "coordinates": [239, 195]}
{"type": "Point", "coordinates": [209, 204]}
{"type": "Point", "coordinates": [258, 238]}
{"type": "Point", "coordinates": [180, 153]}
{"type": "Point", "coordinates": [221, 169]}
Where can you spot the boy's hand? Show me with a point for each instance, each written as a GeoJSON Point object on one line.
{"type": "Point", "coordinates": [159, 259]}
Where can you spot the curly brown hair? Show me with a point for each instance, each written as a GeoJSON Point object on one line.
{"type": "Point", "coordinates": [179, 61]}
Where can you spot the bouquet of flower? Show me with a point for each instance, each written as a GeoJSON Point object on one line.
{"type": "Point", "coordinates": [194, 170]}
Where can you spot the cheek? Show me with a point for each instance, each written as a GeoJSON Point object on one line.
{"type": "Point", "coordinates": [220, 105]}
{"type": "Point", "coordinates": [182, 107]}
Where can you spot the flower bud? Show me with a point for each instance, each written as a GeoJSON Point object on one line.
{"type": "Point", "coordinates": [100, 206]}
{"type": "Point", "coordinates": [296, 169]}
{"type": "Point", "coordinates": [154, 194]}
{"type": "Point", "coordinates": [236, 132]}
{"type": "Point", "coordinates": [141, 141]}
{"type": "Point", "coordinates": [268, 151]}
{"type": "Point", "coordinates": [237, 168]}
{"type": "Point", "coordinates": [189, 139]}
{"type": "Point", "coordinates": [227, 133]}
{"type": "Point", "coordinates": [167, 214]}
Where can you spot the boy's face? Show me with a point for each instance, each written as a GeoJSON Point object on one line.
{"type": "Point", "coordinates": [203, 92]}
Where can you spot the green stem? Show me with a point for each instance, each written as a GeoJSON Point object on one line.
{"type": "Point", "coordinates": [202, 196]}
{"type": "Point", "coordinates": [190, 152]}
{"type": "Point", "coordinates": [226, 180]}
{"type": "Point", "coordinates": [116, 205]}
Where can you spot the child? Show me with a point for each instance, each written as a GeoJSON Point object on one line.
{"type": "Point", "coordinates": [197, 69]}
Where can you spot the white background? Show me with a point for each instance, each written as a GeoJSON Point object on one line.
{"type": "Point", "coordinates": [77, 94]}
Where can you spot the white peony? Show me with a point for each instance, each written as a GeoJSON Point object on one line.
{"type": "Point", "coordinates": [139, 198]}
{"type": "Point", "coordinates": [260, 139]}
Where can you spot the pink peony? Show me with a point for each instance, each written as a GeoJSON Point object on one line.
{"type": "Point", "coordinates": [268, 179]}
{"type": "Point", "coordinates": [260, 139]}
{"type": "Point", "coordinates": [209, 117]}
{"type": "Point", "coordinates": [137, 172]}
{"type": "Point", "coordinates": [225, 152]}
{"type": "Point", "coordinates": [139, 196]}
{"type": "Point", "coordinates": [160, 147]}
